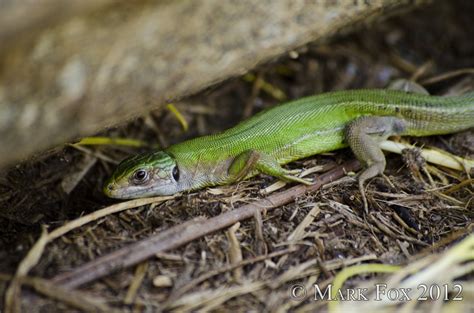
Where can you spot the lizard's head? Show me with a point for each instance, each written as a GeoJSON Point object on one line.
{"type": "Point", "coordinates": [150, 174]}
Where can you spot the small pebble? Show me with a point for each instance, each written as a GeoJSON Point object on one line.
{"type": "Point", "coordinates": [162, 281]}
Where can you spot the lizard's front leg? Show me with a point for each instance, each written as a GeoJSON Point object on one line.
{"type": "Point", "coordinates": [250, 160]}
{"type": "Point", "coordinates": [364, 136]}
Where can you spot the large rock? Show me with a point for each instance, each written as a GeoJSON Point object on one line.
{"type": "Point", "coordinates": [70, 68]}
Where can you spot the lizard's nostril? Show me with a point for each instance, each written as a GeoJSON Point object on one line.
{"type": "Point", "coordinates": [110, 187]}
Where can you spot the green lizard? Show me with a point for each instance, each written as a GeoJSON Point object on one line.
{"type": "Point", "coordinates": [291, 131]}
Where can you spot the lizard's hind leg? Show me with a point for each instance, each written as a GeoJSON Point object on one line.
{"type": "Point", "coordinates": [364, 136]}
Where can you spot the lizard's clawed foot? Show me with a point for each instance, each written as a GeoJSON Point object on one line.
{"type": "Point", "coordinates": [370, 172]}
{"type": "Point", "coordinates": [290, 176]}
{"type": "Point", "coordinates": [387, 179]}
{"type": "Point", "coordinates": [296, 179]}
{"type": "Point", "coordinates": [294, 171]}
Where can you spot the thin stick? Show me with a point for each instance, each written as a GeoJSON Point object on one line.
{"type": "Point", "coordinates": [188, 231]}
{"type": "Point", "coordinates": [448, 75]}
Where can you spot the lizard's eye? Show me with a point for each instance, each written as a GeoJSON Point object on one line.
{"type": "Point", "coordinates": [175, 173]}
{"type": "Point", "coordinates": [140, 176]}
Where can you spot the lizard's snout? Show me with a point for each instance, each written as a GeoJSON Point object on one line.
{"type": "Point", "coordinates": [109, 189]}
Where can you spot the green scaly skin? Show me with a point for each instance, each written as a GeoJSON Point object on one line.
{"type": "Point", "coordinates": [291, 131]}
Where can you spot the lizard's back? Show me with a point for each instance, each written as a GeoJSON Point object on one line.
{"type": "Point", "coordinates": [316, 124]}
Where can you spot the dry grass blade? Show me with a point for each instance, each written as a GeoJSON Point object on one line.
{"type": "Point", "coordinates": [462, 184]}
{"type": "Point", "coordinates": [267, 87]}
{"type": "Point", "coordinates": [12, 295]}
{"type": "Point", "coordinates": [448, 75]}
{"type": "Point", "coordinates": [115, 208]}
{"type": "Point", "coordinates": [300, 231]}
{"type": "Point", "coordinates": [140, 273]}
{"type": "Point", "coordinates": [70, 181]}
{"type": "Point", "coordinates": [94, 153]}
{"type": "Point", "coordinates": [176, 113]}
{"type": "Point", "coordinates": [211, 299]}
{"type": "Point", "coordinates": [235, 252]}
{"type": "Point", "coordinates": [102, 141]}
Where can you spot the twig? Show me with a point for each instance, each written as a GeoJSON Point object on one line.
{"type": "Point", "coordinates": [448, 75]}
{"type": "Point", "coordinates": [186, 232]}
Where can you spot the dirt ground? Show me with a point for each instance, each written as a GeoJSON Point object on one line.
{"type": "Point", "coordinates": [417, 211]}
